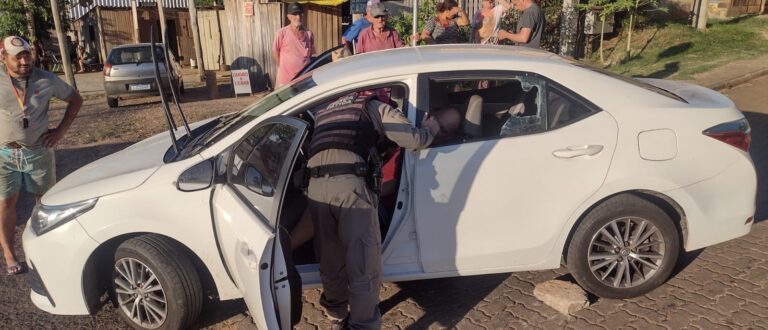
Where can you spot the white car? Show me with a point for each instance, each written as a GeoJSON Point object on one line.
{"type": "Point", "coordinates": [557, 163]}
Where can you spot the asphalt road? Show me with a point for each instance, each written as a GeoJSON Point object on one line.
{"type": "Point", "coordinates": [721, 286]}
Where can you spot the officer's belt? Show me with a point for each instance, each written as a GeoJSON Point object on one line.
{"type": "Point", "coordinates": [358, 169]}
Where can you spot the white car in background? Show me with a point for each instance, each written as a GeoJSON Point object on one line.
{"type": "Point", "coordinates": [557, 163]}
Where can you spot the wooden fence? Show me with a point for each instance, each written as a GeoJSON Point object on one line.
{"type": "Point", "coordinates": [214, 38]}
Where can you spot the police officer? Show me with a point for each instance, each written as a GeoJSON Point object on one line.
{"type": "Point", "coordinates": [344, 206]}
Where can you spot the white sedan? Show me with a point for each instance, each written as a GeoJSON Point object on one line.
{"type": "Point", "coordinates": [557, 163]}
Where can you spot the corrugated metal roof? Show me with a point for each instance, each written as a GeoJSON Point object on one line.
{"type": "Point", "coordinates": [77, 11]}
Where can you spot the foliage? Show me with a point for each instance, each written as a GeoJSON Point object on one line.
{"type": "Point", "coordinates": [679, 51]}
{"type": "Point", "coordinates": [403, 23]}
{"type": "Point", "coordinates": [13, 19]}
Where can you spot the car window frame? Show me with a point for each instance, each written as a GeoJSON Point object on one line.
{"type": "Point", "coordinates": [228, 156]}
{"type": "Point", "coordinates": [423, 80]}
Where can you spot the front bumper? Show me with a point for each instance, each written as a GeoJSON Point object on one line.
{"type": "Point", "coordinates": [56, 261]}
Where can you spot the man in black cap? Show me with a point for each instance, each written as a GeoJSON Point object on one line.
{"type": "Point", "coordinates": [293, 46]}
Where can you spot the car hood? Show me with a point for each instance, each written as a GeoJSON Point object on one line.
{"type": "Point", "coordinates": [693, 94]}
{"type": "Point", "coordinates": [121, 171]}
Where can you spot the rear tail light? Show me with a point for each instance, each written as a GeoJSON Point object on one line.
{"type": "Point", "coordinates": [736, 133]}
{"type": "Point", "coordinates": [107, 69]}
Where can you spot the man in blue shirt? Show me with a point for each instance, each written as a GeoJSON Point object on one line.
{"type": "Point", "coordinates": [360, 24]}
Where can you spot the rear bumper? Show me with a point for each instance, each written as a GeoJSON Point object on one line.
{"type": "Point", "coordinates": [56, 262]}
{"type": "Point", "coordinates": [121, 88]}
{"type": "Point", "coordinates": [717, 209]}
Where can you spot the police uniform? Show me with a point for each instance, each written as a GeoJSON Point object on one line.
{"type": "Point", "coordinates": [343, 205]}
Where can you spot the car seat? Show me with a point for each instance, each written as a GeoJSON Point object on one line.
{"type": "Point", "coordinates": [473, 117]}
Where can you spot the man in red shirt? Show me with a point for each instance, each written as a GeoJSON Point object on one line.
{"type": "Point", "coordinates": [293, 46]}
{"type": "Point", "coordinates": [378, 36]}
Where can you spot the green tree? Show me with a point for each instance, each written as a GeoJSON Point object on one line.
{"type": "Point", "coordinates": [13, 17]}
{"type": "Point", "coordinates": [605, 8]}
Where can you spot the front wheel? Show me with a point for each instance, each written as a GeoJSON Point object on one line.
{"type": "Point", "coordinates": [155, 285]}
{"type": "Point", "coordinates": [624, 248]}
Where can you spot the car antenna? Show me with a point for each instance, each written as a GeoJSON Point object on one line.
{"type": "Point", "coordinates": [173, 88]}
{"type": "Point", "coordinates": [159, 82]}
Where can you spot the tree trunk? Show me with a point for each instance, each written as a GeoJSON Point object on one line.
{"type": "Point", "coordinates": [161, 15]}
{"type": "Point", "coordinates": [196, 39]}
{"type": "Point", "coordinates": [602, 37]}
{"type": "Point", "coordinates": [135, 19]}
{"type": "Point", "coordinates": [63, 46]}
{"type": "Point", "coordinates": [569, 28]}
{"type": "Point", "coordinates": [702, 22]}
{"type": "Point", "coordinates": [30, 21]}
{"type": "Point", "coordinates": [631, 26]}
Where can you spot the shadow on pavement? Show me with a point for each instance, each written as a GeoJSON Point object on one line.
{"type": "Point", "coordinates": [445, 301]}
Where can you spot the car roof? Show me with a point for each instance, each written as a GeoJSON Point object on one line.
{"type": "Point", "coordinates": [409, 60]}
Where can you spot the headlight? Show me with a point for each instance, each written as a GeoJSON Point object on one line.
{"type": "Point", "coordinates": [44, 218]}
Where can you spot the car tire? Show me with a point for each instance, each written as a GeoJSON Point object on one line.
{"type": "Point", "coordinates": [624, 235]}
{"type": "Point", "coordinates": [164, 281]}
{"type": "Point", "coordinates": [112, 102]}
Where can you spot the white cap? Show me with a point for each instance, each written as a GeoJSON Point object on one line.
{"type": "Point", "coordinates": [14, 45]}
{"type": "Point", "coordinates": [371, 3]}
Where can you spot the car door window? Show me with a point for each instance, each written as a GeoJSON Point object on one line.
{"type": "Point", "coordinates": [494, 105]}
{"type": "Point", "coordinates": [563, 109]}
{"type": "Point", "coordinates": [257, 161]}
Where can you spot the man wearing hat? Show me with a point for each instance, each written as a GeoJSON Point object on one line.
{"type": "Point", "coordinates": [359, 25]}
{"type": "Point", "coordinates": [26, 141]}
{"type": "Point", "coordinates": [293, 46]}
{"type": "Point", "coordinates": [378, 36]}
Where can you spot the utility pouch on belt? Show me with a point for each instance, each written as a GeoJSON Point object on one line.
{"type": "Point", "coordinates": [374, 171]}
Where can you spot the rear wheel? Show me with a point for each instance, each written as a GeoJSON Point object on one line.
{"type": "Point", "coordinates": [112, 102]}
{"type": "Point", "coordinates": [624, 248]}
{"type": "Point", "coordinates": [155, 284]}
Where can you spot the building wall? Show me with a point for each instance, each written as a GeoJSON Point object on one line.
{"type": "Point", "coordinates": [211, 40]}
{"type": "Point", "coordinates": [252, 36]}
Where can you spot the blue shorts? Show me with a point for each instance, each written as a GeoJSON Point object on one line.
{"type": "Point", "coordinates": [34, 167]}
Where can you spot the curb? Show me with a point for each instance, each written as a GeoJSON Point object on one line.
{"type": "Point", "coordinates": [730, 83]}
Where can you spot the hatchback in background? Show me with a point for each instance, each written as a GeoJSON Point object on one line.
{"type": "Point", "coordinates": [129, 73]}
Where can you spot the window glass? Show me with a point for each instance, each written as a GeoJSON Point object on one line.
{"type": "Point", "coordinates": [563, 110]}
{"type": "Point", "coordinates": [134, 55]}
{"type": "Point", "coordinates": [258, 160]}
{"type": "Point", "coordinates": [490, 108]}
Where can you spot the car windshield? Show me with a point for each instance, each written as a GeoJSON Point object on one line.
{"type": "Point", "coordinates": [633, 81]}
{"type": "Point", "coordinates": [134, 55]}
{"type": "Point", "coordinates": [228, 124]}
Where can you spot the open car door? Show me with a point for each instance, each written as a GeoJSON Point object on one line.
{"type": "Point", "coordinates": [245, 207]}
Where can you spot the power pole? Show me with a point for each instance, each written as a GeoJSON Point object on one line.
{"type": "Point", "coordinates": [161, 13]}
{"type": "Point", "coordinates": [702, 16]}
{"type": "Point", "coordinates": [63, 46]}
{"type": "Point", "coordinates": [196, 38]}
{"type": "Point", "coordinates": [569, 28]}
{"type": "Point", "coordinates": [135, 14]}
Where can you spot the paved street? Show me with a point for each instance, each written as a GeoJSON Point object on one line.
{"type": "Point", "coordinates": [725, 286]}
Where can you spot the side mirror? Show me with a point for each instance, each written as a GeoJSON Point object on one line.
{"type": "Point", "coordinates": [197, 177]}
{"type": "Point", "coordinates": [254, 181]}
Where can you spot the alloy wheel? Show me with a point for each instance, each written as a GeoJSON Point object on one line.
{"type": "Point", "coordinates": [626, 252]}
{"type": "Point", "coordinates": [139, 293]}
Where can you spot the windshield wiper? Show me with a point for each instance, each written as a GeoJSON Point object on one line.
{"type": "Point", "coordinates": [161, 90]}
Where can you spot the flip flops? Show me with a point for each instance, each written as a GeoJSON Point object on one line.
{"type": "Point", "coordinates": [15, 269]}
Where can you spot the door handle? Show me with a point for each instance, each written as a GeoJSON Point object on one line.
{"type": "Point", "coordinates": [248, 257]}
{"type": "Point", "coordinates": [576, 151]}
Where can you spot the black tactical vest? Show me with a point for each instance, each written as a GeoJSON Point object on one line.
{"type": "Point", "coordinates": [345, 124]}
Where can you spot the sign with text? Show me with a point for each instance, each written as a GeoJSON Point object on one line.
{"type": "Point", "coordinates": [241, 81]}
{"type": "Point", "coordinates": [248, 8]}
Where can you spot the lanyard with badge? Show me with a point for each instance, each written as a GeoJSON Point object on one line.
{"type": "Point", "coordinates": [22, 100]}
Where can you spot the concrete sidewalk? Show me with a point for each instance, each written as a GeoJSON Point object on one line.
{"type": "Point", "coordinates": [733, 74]}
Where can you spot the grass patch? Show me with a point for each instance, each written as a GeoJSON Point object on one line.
{"type": "Point", "coordinates": [679, 51]}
